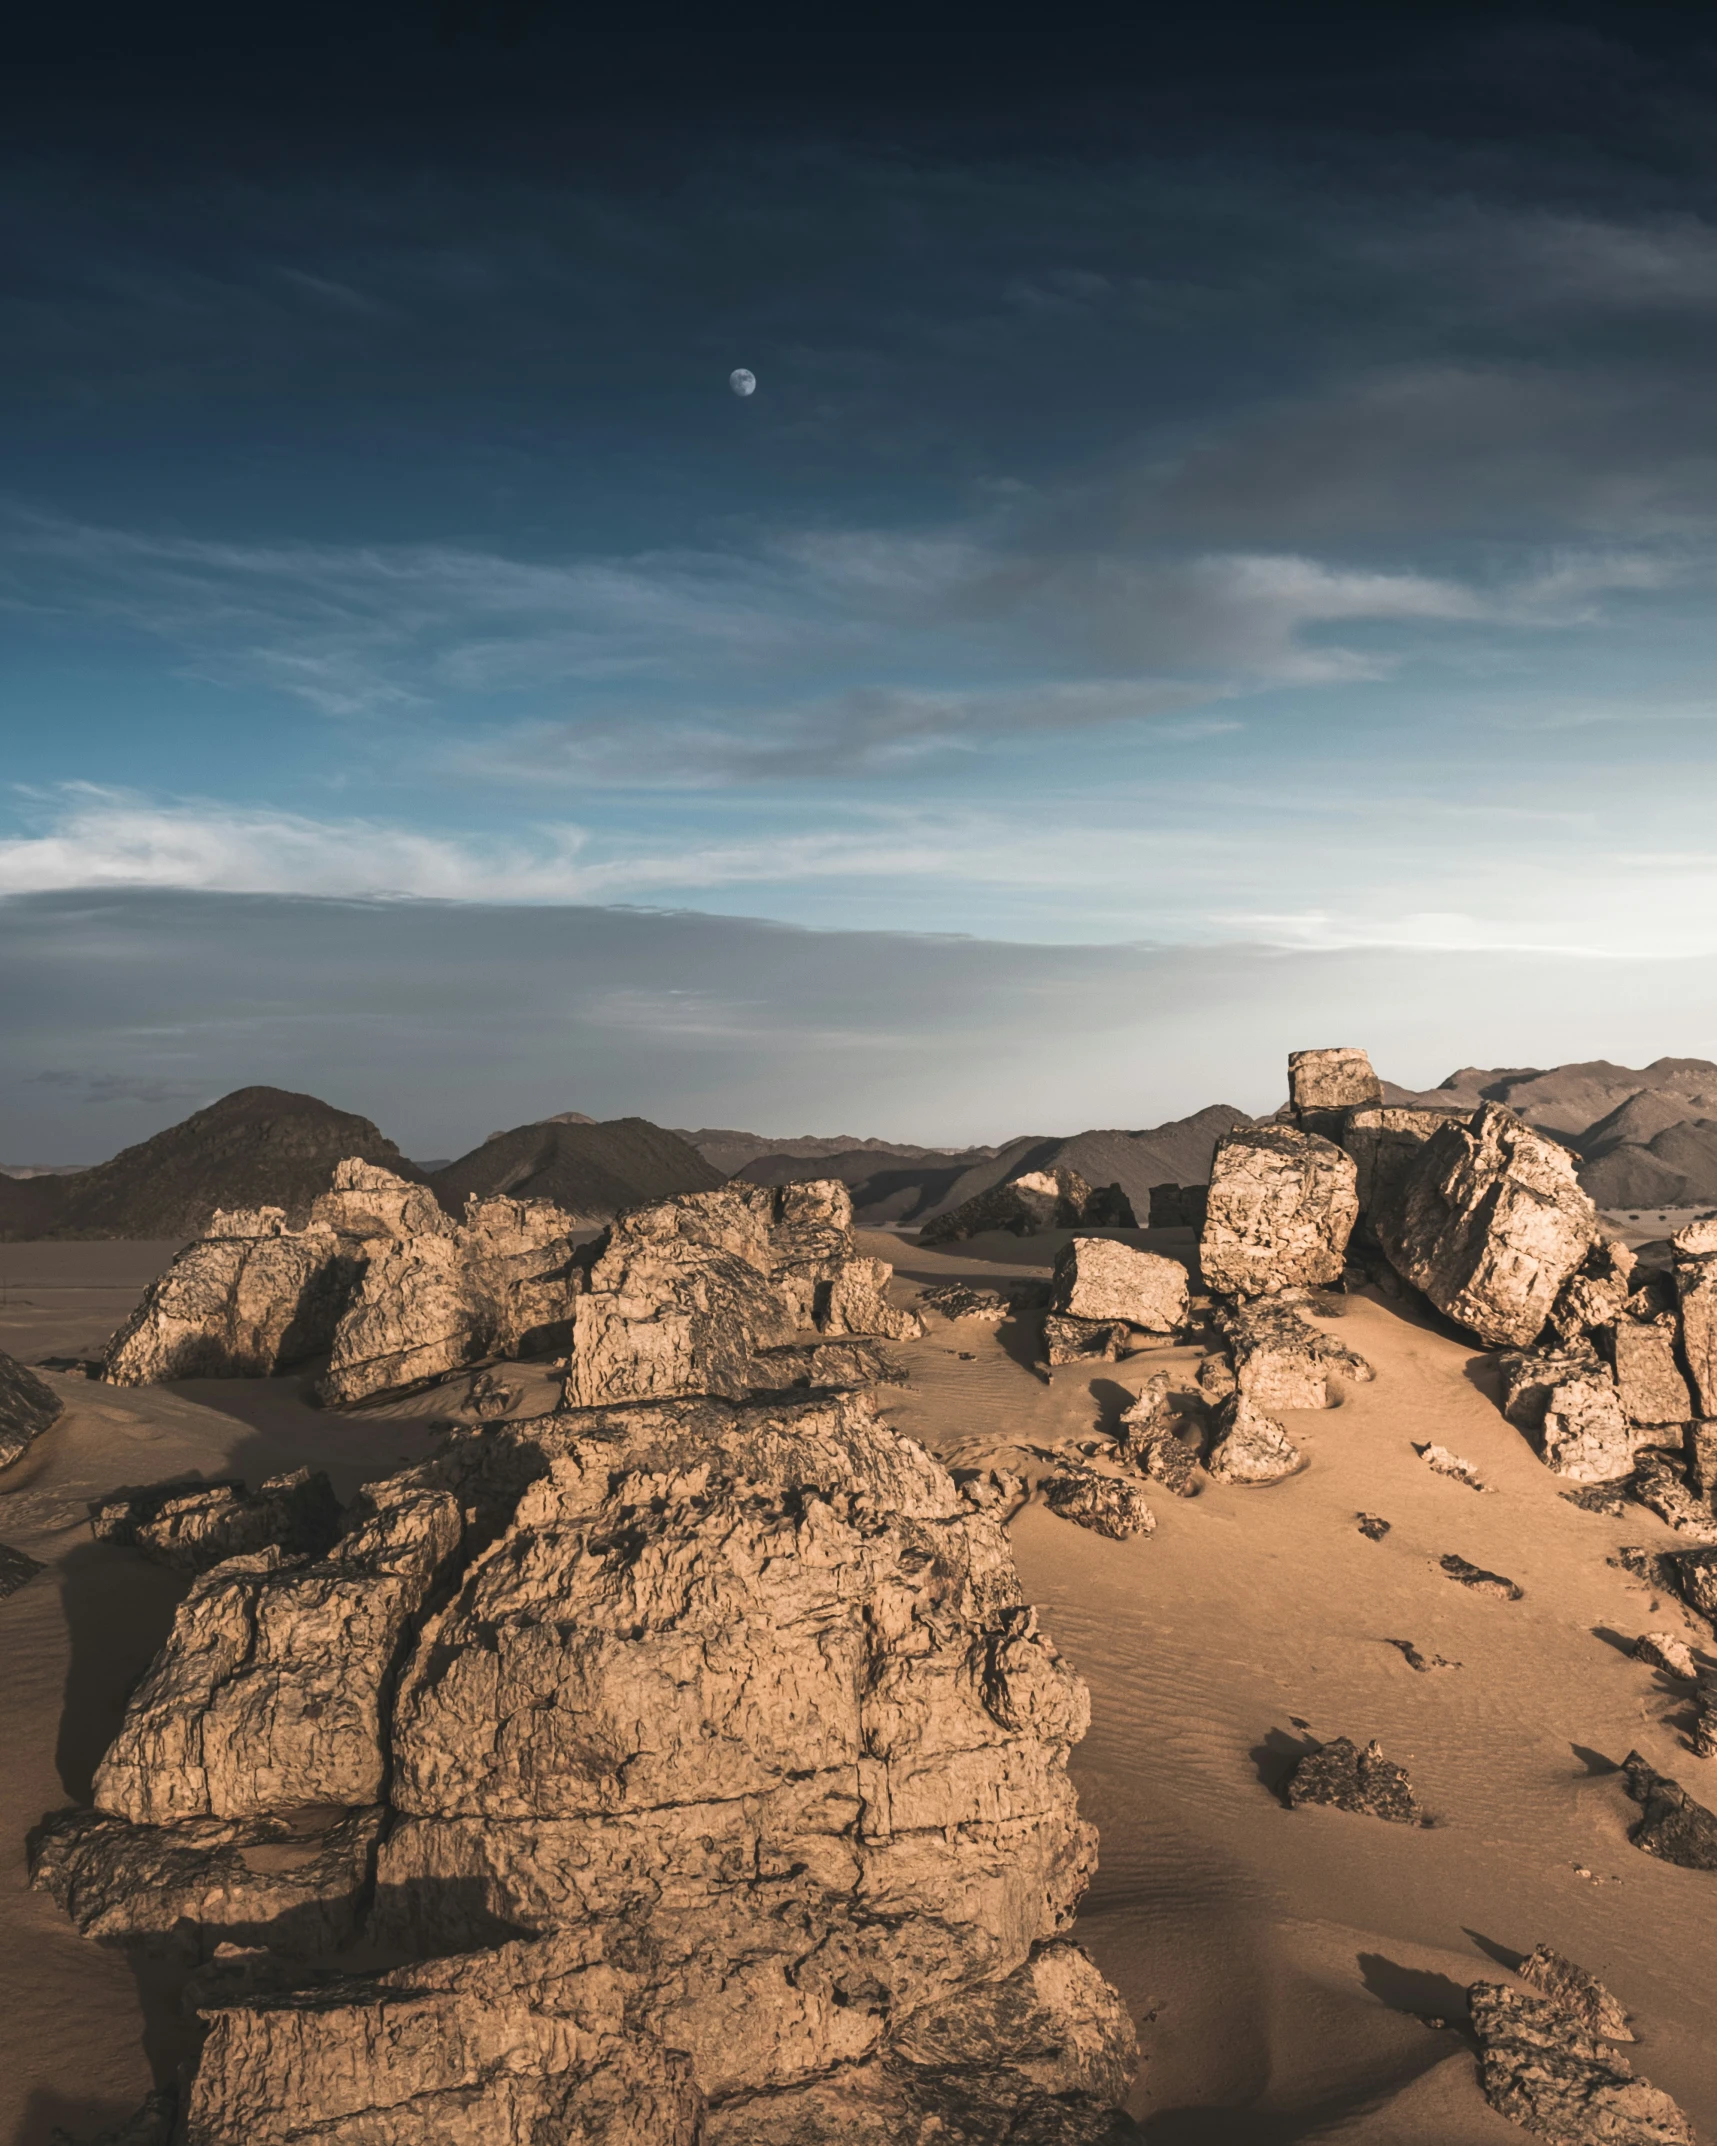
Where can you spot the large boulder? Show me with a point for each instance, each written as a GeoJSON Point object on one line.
{"type": "Point", "coordinates": [1384, 1140]}
{"type": "Point", "coordinates": [1101, 1278]}
{"type": "Point", "coordinates": [1585, 1434]}
{"type": "Point", "coordinates": [1281, 1209]}
{"type": "Point", "coordinates": [1035, 1201]}
{"type": "Point", "coordinates": [1649, 1381]}
{"type": "Point", "coordinates": [1324, 1085]}
{"type": "Point", "coordinates": [1543, 2069]}
{"type": "Point", "coordinates": [28, 1406]}
{"type": "Point", "coordinates": [1490, 1222]}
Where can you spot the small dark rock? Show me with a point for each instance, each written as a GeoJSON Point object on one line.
{"type": "Point", "coordinates": [15, 1570]}
{"type": "Point", "coordinates": [1674, 1828]}
{"type": "Point", "coordinates": [1424, 1663]}
{"type": "Point", "coordinates": [1340, 1774]}
{"type": "Point", "coordinates": [194, 1526]}
{"type": "Point", "coordinates": [1480, 1581]}
{"type": "Point", "coordinates": [1371, 1527]}
{"type": "Point", "coordinates": [1078, 1341]}
{"type": "Point", "coordinates": [961, 1300]}
{"type": "Point", "coordinates": [28, 1405]}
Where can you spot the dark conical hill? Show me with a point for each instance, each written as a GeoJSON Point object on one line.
{"type": "Point", "coordinates": [590, 1170]}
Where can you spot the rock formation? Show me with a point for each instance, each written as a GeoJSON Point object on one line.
{"type": "Point", "coordinates": [1489, 1222]}
{"type": "Point", "coordinates": [1695, 1250]}
{"type": "Point", "coordinates": [1384, 1140]}
{"type": "Point", "coordinates": [1582, 1996]}
{"type": "Point", "coordinates": [1106, 1504]}
{"type": "Point", "coordinates": [1672, 1826]}
{"type": "Point", "coordinates": [1584, 1435]}
{"type": "Point", "coordinates": [1098, 1278]}
{"type": "Point", "coordinates": [1250, 1447]}
{"type": "Point", "coordinates": [1340, 1774]}
{"type": "Point", "coordinates": [1037, 1200]}
{"type": "Point", "coordinates": [193, 1526]}
{"type": "Point", "coordinates": [1441, 1461]}
{"type": "Point", "coordinates": [1082, 1341]}
{"type": "Point", "coordinates": [1481, 1582]}
{"type": "Point", "coordinates": [28, 1406]}
{"type": "Point", "coordinates": [1282, 1207]}
{"type": "Point", "coordinates": [1542, 2068]}
{"type": "Point", "coordinates": [1159, 1443]}
{"type": "Point", "coordinates": [1324, 1085]}
{"type": "Point", "coordinates": [1281, 1360]}
{"type": "Point", "coordinates": [16, 1570]}
{"type": "Point", "coordinates": [1658, 1483]}
{"type": "Point", "coordinates": [1663, 1650]}
{"type": "Point", "coordinates": [1649, 1382]}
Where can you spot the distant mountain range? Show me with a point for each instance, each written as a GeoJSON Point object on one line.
{"type": "Point", "coordinates": [1646, 1139]}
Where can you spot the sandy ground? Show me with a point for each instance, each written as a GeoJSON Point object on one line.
{"type": "Point", "coordinates": [1281, 1965]}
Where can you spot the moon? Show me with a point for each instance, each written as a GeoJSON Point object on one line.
{"type": "Point", "coordinates": [742, 381]}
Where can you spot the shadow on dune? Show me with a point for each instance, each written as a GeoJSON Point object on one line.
{"type": "Point", "coordinates": [1594, 1761]}
{"type": "Point", "coordinates": [1414, 1989]}
{"type": "Point", "coordinates": [1505, 1956]}
{"type": "Point", "coordinates": [1277, 1756]}
{"type": "Point", "coordinates": [118, 1609]}
{"type": "Point", "coordinates": [1023, 1341]}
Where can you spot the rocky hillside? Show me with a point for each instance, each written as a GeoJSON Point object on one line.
{"type": "Point", "coordinates": [589, 1170]}
{"type": "Point", "coordinates": [732, 1153]}
{"type": "Point", "coordinates": [258, 1147]}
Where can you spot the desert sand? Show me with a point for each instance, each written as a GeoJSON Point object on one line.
{"type": "Point", "coordinates": [1281, 1966]}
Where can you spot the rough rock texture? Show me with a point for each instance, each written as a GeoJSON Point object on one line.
{"type": "Point", "coordinates": [691, 1296]}
{"type": "Point", "coordinates": [1695, 1577]}
{"type": "Point", "coordinates": [1695, 1249]}
{"type": "Point", "coordinates": [1384, 1140]}
{"type": "Point", "coordinates": [1080, 1341]}
{"type": "Point", "coordinates": [294, 1886]}
{"type": "Point", "coordinates": [1251, 1447]}
{"type": "Point", "coordinates": [1339, 1773]}
{"type": "Point", "coordinates": [270, 1690]}
{"type": "Point", "coordinates": [1441, 1461]}
{"type": "Point", "coordinates": [1541, 2069]}
{"type": "Point", "coordinates": [1658, 1484]}
{"type": "Point", "coordinates": [1371, 1527]}
{"type": "Point", "coordinates": [1100, 1278]}
{"type": "Point", "coordinates": [1585, 1435]}
{"type": "Point", "coordinates": [1159, 1443]}
{"type": "Point", "coordinates": [1281, 1360]}
{"type": "Point", "coordinates": [1178, 1206]}
{"type": "Point", "coordinates": [500, 1284]}
{"type": "Point", "coordinates": [1480, 1581]}
{"type": "Point", "coordinates": [1595, 1295]}
{"type": "Point", "coordinates": [28, 1405]}
{"type": "Point", "coordinates": [1673, 1827]}
{"type": "Point", "coordinates": [962, 1300]}
{"type": "Point", "coordinates": [191, 1526]}
{"type": "Point", "coordinates": [1322, 1085]}
{"type": "Point", "coordinates": [1035, 1201]}
{"type": "Point", "coordinates": [1531, 1376]}
{"type": "Point", "coordinates": [1216, 1380]}
{"type": "Point", "coordinates": [1649, 1383]}
{"type": "Point", "coordinates": [1282, 1207]}
{"type": "Point", "coordinates": [16, 1570]}
{"type": "Point", "coordinates": [1663, 1650]}
{"type": "Point", "coordinates": [1582, 1996]}
{"type": "Point", "coordinates": [1703, 1738]}
{"type": "Point", "coordinates": [1490, 1222]}
{"type": "Point", "coordinates": [1106, 1504]}
{"type": "Point", "coordinates": [1699, 1442]}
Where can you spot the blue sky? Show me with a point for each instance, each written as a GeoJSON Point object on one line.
{"type": "Point", "coordinates": [1209, 497]}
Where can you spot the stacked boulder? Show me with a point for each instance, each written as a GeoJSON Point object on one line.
{"type": "Point", "coordinates": [691, 1750]}
{"type": "Point", "coordinates": [1107, 1298]}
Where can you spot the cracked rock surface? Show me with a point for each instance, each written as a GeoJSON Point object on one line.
{"type": "Point", "coordinates": [1282, 1207]}
{"type": "Point", "coordinates": [1100, 1278]}
{"type": "Point", "coordinates": [28, 1406]}
{"type": "Point", "coordinates": [1541, 2068]}
{"type": "Point", "coordinates": [1281, 1360]}
{"type": "Point", "coordinates": [1340, 1774]}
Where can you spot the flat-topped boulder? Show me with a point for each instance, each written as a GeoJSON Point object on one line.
{"type": "Point", "coordinates": [1282, 1206]}
{"type": "Point", "coordinates": [1324, 1085]}
{"type": "Point", "coordinates": [1101, 1278]}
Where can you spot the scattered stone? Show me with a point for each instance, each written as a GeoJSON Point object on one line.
{"type": "Point", "coordinates": [1657, 1484]}
{"type": "Point", "coordinates": [1384, 1141]}
{"type": "Point", "coordinates": [296, 1887]}
{"type": "Point", "coordinates": [1031, 1203]}
{"type": "Point", "coordinates": [1607, 1498]}
{"type": "Point", "coordinates": [193, 1526]}
{"type": "Point", "coordinates": [1441, 1461]}
{"type": "Point", "coordinates": [1585, 1435]}
{"type": "Point", "coordinates": [1099, 1278]}
{"type": "Point", "coordinates": [1582, 1996]}
{"type": "Point", "coordinates": [1324, 1085]}
{"type": "Point", "coordinates": [1340, 1774]}
{"type": "Point", "coordinates": [1695, 1249]}
{"type": "Point", "coordinates": [1281, 1360]}
{"type": "Point", "coordinates": [1490, 1222]}
{"type": "Point", "coordinates": [1371, 1527]}
{"type": "Point", "coordinates": [1663, 1650]}
{"type": "Point", "coordinates": [1080, 1341]}
{"type": "Point", "coordinates": [1648, 1378]}
{"type": "Point", "coordinates": [16, 1570]}
{"type": "Point", "coordinates": [1531, 1376]}
{"type": "Point", "coordinates": [1282, 1207]}
{"type": "Point", "coordinates": [1251, 1447]}
{"type": "Point", "coordinates": [1424, 1663]}
{"type": "Point", "coordinates": [1178, 1206]}
{"type": "Point", "coordinates": [1541, 2069]}
{"type": "Point", "coordinates": [1652, 1566]}
{"type": "Point", "coordinates": [960, 1300]}
{"type": "Point", "coordinates": [152, 2123]}
{"type": "Point", "coordinates": [1674, 1828]}
{"type": "Point", "coordinates": [28, 1406]}
{"type": "Point", "coordinates": [1106, 1504]}
{"type": "Point", "coordinates": [1154, 1441]}
{"type": "Point", "coordinates": [990, 1490]}
{"type": "Point", "coordinates": [1480, 1581]}
{"type": "Point", "coordinates": [1216, 1380]}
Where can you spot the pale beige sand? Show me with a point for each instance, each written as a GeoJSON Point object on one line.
{"type": "Point", "coordinates": [1275, 1960]}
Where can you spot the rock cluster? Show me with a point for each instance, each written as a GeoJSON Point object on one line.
{"type": "Point", "coordinates": [1340, 1774]}
{"type": "Point", "coordinates": [1027, 1205]}
{"type": "Point", "coordinates": [1282, 1206]}
{"type": "Point", "coordinates": [1108, 1298]}
{"type": "Point", "coordinates": [28, 1406]}
{"type": "Point", "coordinates": [1544, 2064]}
{"type": "Point", "coordinates": [1106, 1504]}
{"type": "Point", "coordinates": [1280, 1359]}
{"type": "Point", "coordinates": [697, 1755]}
{"type": "Point", "coordinates": [1161, 1443]}
{"type": "Point", "coordinates": [192, 1526]}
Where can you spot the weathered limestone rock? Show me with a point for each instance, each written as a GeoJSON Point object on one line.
{"type": "Point", "coordinates": [1585, 1435]}
{"type": "Point", "coordinates": [191, 1526]}
{"type": "Point", "coordinates": [366, 1202]}
{"type": "Point", "coordinates": [269, 1692]}
{"type": "Point", "coordinates": [1251, 1447]}
{"type": "Point", "coordinates": [1582, 1996]}
{"type": "Point", "coordinates": [1282, 1207]}
{"type": "Point", "coordinates": [963, 1300]}
{"type": "Point", "coordinates": [1694, 1574]}
{"type": "Point", "coordinates": [1663, 1650]}
{"type": "Point", "coordinates": [1106, 1504]}
{"type": "Point", "coordinates": [1100, 1278]}
{"type": "Point", "coordinates": [1441, 1461]}
{"type": "Point", "coordinates": [1156, 1442]}
{"type": "Point", "coordinates": [16, 1570]}
{"type": "Point", "coordinates": [295, 1886]}
{"type": "Point", "coordinates": [1215, 1374]}
{"type": "Point", "coordinates": [1531, 1376]}
{"type": "Point", "coordinates": [1081, 1341]}
{"type": "Point", "coordinates": [1384, 1140]}
{"type": "Point", "coordinates": [1648, 1378]}
{"type": "Point", "coordinates": [1673, 1827]}
{"type": "Point", "coordinates": [1339, 1773]}
{"type": "Point", "coordinates": [28, 1406]}
{"type": "Point", "coordinates": [1657, 1484]}
{"type": "Point", "coordinates": [1281, 1360]}
{"type": "Point", "coordinates": [1695, 1249]}
{"type": "Point", "coordinates": [1035, 1201]}
{"type": "Point", "coordinates": [1595, 1295]}
{"type": "Point", "coordinates": [1481, 1582]}
{"type": "Point", "coordinates": [1541, 2069]}
{"type": "Point", "coordinates": [501, 1284]}
{"type": "Point", "coordinates": [1699, 1442]}
{"type": "Point", "coordinates": [1490, 1222]}
{"type": "Point", "coordinates": [1322, 1085]}
{"type": "Point", "coordinates": [689, 1295]}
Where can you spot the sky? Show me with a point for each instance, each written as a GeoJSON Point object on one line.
{"type": "Point", "coordinates": [1235, 501]}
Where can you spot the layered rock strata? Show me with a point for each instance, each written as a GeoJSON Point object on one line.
{"type": "Point", "coordinates": [1281, 1209]}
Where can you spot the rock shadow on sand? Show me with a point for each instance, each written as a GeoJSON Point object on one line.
{"type": "Point", "coordinates": [1277, 1756]}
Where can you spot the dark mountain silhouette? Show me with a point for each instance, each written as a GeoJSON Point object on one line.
{"type": "Point", "coordinates": [592, 1170]}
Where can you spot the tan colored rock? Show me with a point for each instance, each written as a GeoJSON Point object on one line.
{"type": "Point", "coordinates": [1663, 1650]}
{"type": "Point", "coordinates": [1542, 2069]}
{"type": "Point", "coordinates": [1384, 1140]}
{"type": "Point", "coordinates": [1035, 1201]}
{"type": "Point", "coordinates": [1323, 1085]}
{"type": "Point", "coordinates": [1282, 1207]}
{"type": "Point", "coordinates": [1595, 1295]}
{"type": "Point", "coordinates": [1658, 1484]}
{"type": "Point", "coordinates": [1490, 1223]}
{"type": "Point", "coordinates": [1101, 1278]}
{"type": "Point", "coordinates": [1648, 1377]}
{"type": "Point", "coordinates": [1585, 1435]}
{"type": "Point", "coordinates": [192, 1526]}
{"type": "Point", "coordinates": [1281, 1360]}
{"type": "Point", "coordinates": [1531, 1376]}
{"type": "Point", "coordinates": [1695, 1250]}
{"type": "Point", "coordinates": [1084, 1341]}
{"type": "Point", "coordinates": [28, 1407]}
{"type": "Point", "coordinates": [1106, 1504]}
{"type": "Point", "coordinates": [1251, 1447]}
{"type": "Point", "coordinates": [1580, 1995]}
{"type": "Point", "coordinates": [366, 1202]}
{"type": "Point", "coordinates": [271, 1688]}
